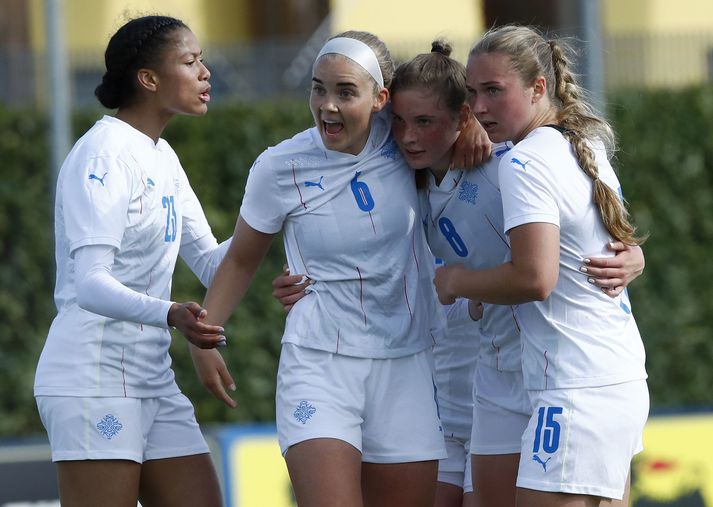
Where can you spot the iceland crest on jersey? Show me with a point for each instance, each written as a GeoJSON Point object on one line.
{"type": "Point", "coordinates": [468, 192]}
{"type": "Point", "coordinates": [390, 150]}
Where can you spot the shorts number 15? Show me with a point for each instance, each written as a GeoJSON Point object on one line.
{"type": "Point", "coordinates": [547, 432]}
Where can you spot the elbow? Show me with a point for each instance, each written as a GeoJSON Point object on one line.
{"type": "Point", "coordinates": [540, 293]}
{"type": "Point", "coordinates": [540, 288]}
{"type": "Point", "coordinates": [84, 301]}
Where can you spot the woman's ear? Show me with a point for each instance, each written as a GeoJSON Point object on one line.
{"type": "Point", "coordinates": [147, 79]}
{"type": "Point", "coordinates": [381, 99]}
{"type": "Point", "coordinates": [464, 116]}
{"type": "Point", "coordinates": [539, 88]}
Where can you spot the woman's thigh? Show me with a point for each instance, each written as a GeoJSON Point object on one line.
{"type": "Point", "coordinates": [88, 483]}
{"type": "Point", "coordinates": [186, 481]}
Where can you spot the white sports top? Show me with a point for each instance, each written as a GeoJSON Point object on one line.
{"type": "Point", "coordinates": [350, 223]}
{"type": "Point", "coordinates": [578, 336]}
{"type": "Point", "coordinates": [118, 188]}
{"type": "Point", "coordinates": [463, 217]}
{"type": "Point", "coordinates": [455, 358]}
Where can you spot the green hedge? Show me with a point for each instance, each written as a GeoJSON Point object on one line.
{"type": "Point", "coordinates": [665, 164]}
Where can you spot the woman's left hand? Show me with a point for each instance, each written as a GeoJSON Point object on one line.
{"type": "Point", "coordinates": [613, 274]}
{"type": "Point", "coordinates": [472, 147]}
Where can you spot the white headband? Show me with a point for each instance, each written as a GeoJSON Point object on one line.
{"type": "Point", "coordinates": [358, 52]}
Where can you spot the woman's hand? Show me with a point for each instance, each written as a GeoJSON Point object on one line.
{"type": "Point", "coordinates": [472, 147]}
{"type": "Point", "coordinates": [288, 289]}
{"type": "Point", "coordinates": [613, 274]}
{"type": "Point", "coordinates": [443, 282]}
{"type": "Point", "coordinates": [213, 374]}
{"type": "Point", "coordinates": [187, 318]}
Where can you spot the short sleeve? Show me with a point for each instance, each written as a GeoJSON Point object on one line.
{"type": "Point", "coordinates": [526, 186]}
{"type": "Point", "coordinates": [95, 201]}
{"type": "Point", "coordinates": [263, 206]}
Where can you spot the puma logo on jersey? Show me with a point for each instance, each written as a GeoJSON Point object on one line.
{"type": "Point", "coordinates": [315, 183]}
{"type": "Point", "coordinates": [535, 457]}
{"type": "Point", "coordinates": [521, 164]}
{"type": "Point", "coordinates": [95, 177]}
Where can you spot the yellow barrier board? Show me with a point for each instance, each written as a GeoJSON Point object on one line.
{"type": "Point", "coordinates": [262, 480]}
{"type": "Point", "coordinates": [676, 466]}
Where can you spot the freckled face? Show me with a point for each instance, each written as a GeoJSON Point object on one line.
{"type": "Point", "coordinates": [183, 86]}
{"type": "Point", "coordinates": [424, 128]}
{"type": "Point", "coordinates": [342, 101]}
{"type": "Point", "coordinates": [501, 102]}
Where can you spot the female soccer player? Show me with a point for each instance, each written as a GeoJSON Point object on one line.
{"type": "Point", "coordinates": [119, 428]}
{"type": "Point", "coordinates": [583, 358]}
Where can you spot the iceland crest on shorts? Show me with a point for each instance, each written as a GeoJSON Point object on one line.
{"type": "Point", "coordinates": [304, 411]}
{"type": "Point", "coordinates": [109, 426]}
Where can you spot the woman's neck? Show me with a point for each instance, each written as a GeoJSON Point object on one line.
{"type": "Point", "coordinates": [441, 167]}
{"type": "Point", "coordinates": [144, 120]}
{"type": "Point", "coordinates": [546, 117]}
{"type": "Point", "coordinates": [438, 174]}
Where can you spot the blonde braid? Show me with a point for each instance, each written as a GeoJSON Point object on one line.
{"type": "Point", "coordinates": [580, 123]}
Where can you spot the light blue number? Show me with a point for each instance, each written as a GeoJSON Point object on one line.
{"type": "Point", "coordinates": [450, 233]}
{"type": "Point", "coordinates": [550, 433]}
{"type": "Point", "coordinates": [362, 194]}
{"type": "Point", "coordinates": [170, 208]}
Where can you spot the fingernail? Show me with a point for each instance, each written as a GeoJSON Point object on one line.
{"type": "Point", "coordinates": [222, 343]}
{"type": "Point", "coordinates": [303, 279]}
{"type": "Point", "coordinates": [231, 387]}
{"type": "Point", "coordinates": [203, 313]}
{"type": "Point", "coordinates": [221, 330]}
{"type": "Point", "coordinates": [611, 244]}
{"type": "Point", "coordinates": [583, 269]}
{"type": "Point", "coordinates": [311, 282]}
{"type": "Point", "coordinates": [590, 280]}
{"type": "Point", "coordinates": [587, 261]}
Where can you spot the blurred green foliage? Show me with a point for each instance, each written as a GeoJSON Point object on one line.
{"type": "Point", "coordinates": [665, 164]}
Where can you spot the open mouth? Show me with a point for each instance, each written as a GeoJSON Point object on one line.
{"type": "Point", "coordinates": [205, 96]}
{"type": "Point", "coordinates": [332, 128]}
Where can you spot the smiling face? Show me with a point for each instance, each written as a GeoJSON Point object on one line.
{"type": "Point", "coordinates": [342, 101]}
{"type": "Point", "coordinates": [507, 108]}
{"type": "Point", "coordinates": [182, 85]}
{"type": "Point", "coordinates": [424, 128]}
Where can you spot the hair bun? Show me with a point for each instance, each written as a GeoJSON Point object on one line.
{"type": "Point", "coordinates": [442, 47]}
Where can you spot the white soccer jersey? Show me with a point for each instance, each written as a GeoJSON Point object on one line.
{"type": "Point", "coordinates": [578, 336]}
{"type": "Point", "coordinates": [117, 188]}
{"type": "Point", "coordinates": [455, 359]}
{"type": "Point", "coordinates": [351, 223]}
{"type": "Point", "coordinates": [463, 219]}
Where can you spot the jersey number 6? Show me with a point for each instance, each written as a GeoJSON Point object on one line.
{"type": "Point", "coordinates": [362, 194]}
